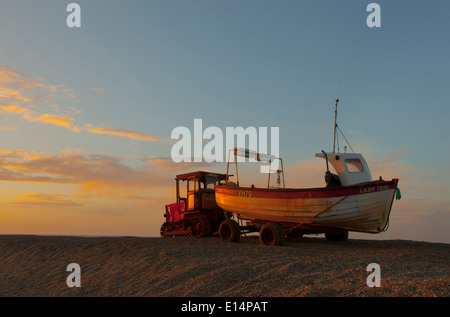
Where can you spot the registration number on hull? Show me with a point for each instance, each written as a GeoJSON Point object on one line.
{"type": "Point", "coordinates": [245, 193]}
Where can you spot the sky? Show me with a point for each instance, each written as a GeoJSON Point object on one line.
{"type": "Point", "coordinates": [86, 113]}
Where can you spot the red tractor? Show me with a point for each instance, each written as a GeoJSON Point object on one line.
{"type": "Point", "coordinates": [195, 214]}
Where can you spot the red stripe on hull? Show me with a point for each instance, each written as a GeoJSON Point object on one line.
{"type": "Point", "coordinates": [291, 193]}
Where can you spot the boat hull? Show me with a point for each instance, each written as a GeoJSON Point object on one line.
{"type": "Point", "coordinates": [363, 207]}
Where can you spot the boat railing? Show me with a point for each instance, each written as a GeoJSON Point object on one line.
{"type": "Point", "coordinates": [256, 157]}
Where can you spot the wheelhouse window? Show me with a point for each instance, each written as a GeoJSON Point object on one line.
{"type": "Point", "coordinates": [354, 165]}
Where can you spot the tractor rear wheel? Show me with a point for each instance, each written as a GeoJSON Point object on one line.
{"type": "Point", "coordinates": [229, 231]}
{"type": "Point", "coordinates": [271, 234]}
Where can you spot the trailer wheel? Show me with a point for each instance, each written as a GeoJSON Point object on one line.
{"type": "Point", "coordinates": [271, 234]}
{"type": "Point", "coordinates": [229, 231]}
{"type": "Point", "coordinates": [342, 236]}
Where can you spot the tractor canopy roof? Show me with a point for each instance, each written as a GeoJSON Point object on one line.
{"type": "Point", "coordinates": [201, 175]}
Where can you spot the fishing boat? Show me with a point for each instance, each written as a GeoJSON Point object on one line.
{"type": "Point", "coordinates": [349, 201]}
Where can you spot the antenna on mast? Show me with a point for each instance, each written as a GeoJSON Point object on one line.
{"type": "Point", "coordinates": [335, 117]}
{"type": "Point", "coordinates": [335, 126]}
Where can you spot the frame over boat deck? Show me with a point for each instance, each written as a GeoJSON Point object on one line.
{"type": "Point", "coordinates": [254, 156]}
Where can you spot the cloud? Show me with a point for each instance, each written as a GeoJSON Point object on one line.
{"type": "Point", "coordinates": [123, 133]}
{"type": "Point", "coordinates": [40, 199]}
{"type": "Point", "coordinates": [89, 169]}
{"type": "Point", "coordinates": [8, 127]}
{"type": "Point", "coordinates": [26, 96]}
{"type": "Point", "coordinates": [97, 89]}
{"type": "Point", "coordinates": [20, 94]}
{"type": "Point", "coordinates": [60, 120]}
{"type": "Point", "coordinates": [67, 167]}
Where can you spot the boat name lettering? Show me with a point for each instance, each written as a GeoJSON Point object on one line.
{"type": "Point", "coordinates": [373, 189]}
{"type": "Point", "coordinates": [381, 188]}
{"type": "Point", "coordinates": [245, 193]}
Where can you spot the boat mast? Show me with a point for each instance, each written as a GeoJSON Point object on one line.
{"type": "Point", "coordinates": [335, 126]}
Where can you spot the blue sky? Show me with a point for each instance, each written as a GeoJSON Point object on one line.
{"type": "Point", "coordinates": [150, 66]}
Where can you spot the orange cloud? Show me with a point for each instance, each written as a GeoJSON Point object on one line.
{"type": "Point", "coordinates": [123, 133]}
{"type": "Point", "coordinates": [26, 113]}
{"type": "Point", "coordinates": [40, 199]}
{"type": "Point", "coordinates": [87, 169]}
{"type": "Point", "coordinates": [60, 120]}
{"type": "Point", "coordinates": [20, 94]}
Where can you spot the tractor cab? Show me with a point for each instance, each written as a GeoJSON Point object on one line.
{"type": "Point", "coordinates": [195, 212]}
{"type": "Point", "coordinates": [195, 190]}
